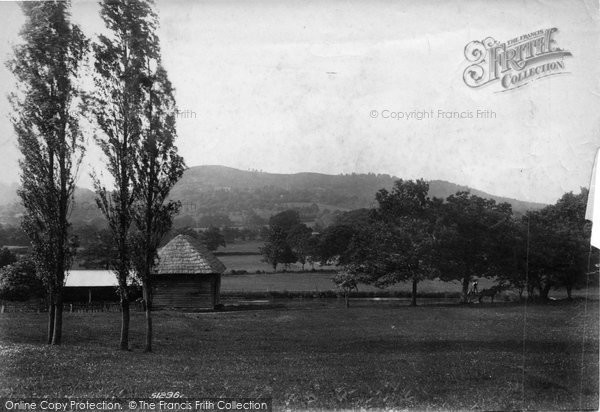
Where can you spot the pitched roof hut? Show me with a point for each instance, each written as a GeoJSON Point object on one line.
{"type": "Point", "coordinates": [188, 276]}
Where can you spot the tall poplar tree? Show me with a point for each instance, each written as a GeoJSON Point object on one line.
{"type": "Point", "coordinates": [121, 56]}
{"type": "Point", "coordinates": [45, 120]}
{"type": "Point", "coordinates": [158, 169]}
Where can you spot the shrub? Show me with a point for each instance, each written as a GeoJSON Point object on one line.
{"type": "Point", "coordinates": [7, 257]}
{"type": "Point", "coordinates": [238, 272]}
{"type": "Point", "coordinates": [19, 281]}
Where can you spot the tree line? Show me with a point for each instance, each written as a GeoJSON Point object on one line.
{"type": "Point", "coordinates": [412, 237]}
{"type": "Point", "coordinates": [132, 113]}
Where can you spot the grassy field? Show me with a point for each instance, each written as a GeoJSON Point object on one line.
{"type": "Point", "coordinates": [320, 282]}
{"type": "Point", "coordinates": [249, 246]}
{"type": "Point", "coordinates": [249, 263]}
{"type": "Point", "coordinates": [252, 263]}
{"type": "Point", "coordinates": [296, 280]}
{"type": "Point", "coordinates": [501, 356]}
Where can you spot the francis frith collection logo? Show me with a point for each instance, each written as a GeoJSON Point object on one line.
{"type": "Point", "coordinates": [516, 62]}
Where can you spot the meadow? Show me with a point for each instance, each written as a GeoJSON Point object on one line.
{"type": "Point", "coordinates": [321, 281]}
{"type": "Point", "coordinates": [243, 256]}
{"type": "Point", "coordinates": [291, 283]}
{"type": "Point", "coordinates": [488, 356]}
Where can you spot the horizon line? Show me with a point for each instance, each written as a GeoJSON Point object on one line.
{"type": "Point", "coordinates": [394, 177]}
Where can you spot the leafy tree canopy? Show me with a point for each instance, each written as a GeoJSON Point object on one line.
{"type": "Point", "coordinates": [20, 282]}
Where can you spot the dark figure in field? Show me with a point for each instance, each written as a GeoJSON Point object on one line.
{"type": "Point", "coordinates": [472, 292]}
{"type": "Point", "coordinates": [491, 292]}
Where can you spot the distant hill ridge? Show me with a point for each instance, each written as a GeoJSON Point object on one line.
{"type": "Point", "coordinates": [225, 190]}
{"type": "Point", "coordinates": [356, 188]}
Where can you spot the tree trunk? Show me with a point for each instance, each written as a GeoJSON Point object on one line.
{"type": "Point", "coordinates": [57, 335]}
{"type": "Point", "coordinates": [569, 290]}
{"type": "Point", "coordinates": [124, 323]}
{"type": "Point", "coordinates": [414, 292]}
{"type": "Point", "coordinates": [51, 311]}
{"type": "Point", "coordinates": [148, 305]}
{"type": "Point", "coordinates": [530, 292]}
{"type": "Point", "coordinates": [465, 290]}
{"type": "Point", "coordinates": [545, 291]}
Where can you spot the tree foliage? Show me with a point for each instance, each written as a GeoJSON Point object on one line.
{"type": "Point", "coordinates": [122, 109]}
{"type": "Point", "coordinates": [285, 220]}
{"type": "Point", "coordinates": [277, 249]}
{"type": "Point", "coordinates": [7, 257]}
{"type": "Point", "coordinates": [19, 281]}
{"type": "Point", "coordinates": [399, 243]}
{"type": "Point", "coordinates": [217, 220]}
{"type": "Point", "coordinates": [46, 112]}
{"type": "Point", "coordinates": [347, 283]}
{"type": "Point", "coordinates": [559, 244]}
{"type": "Point", "coordinates": [13, 236]}
{"type": "Point", "coordinates": [334, 244]}
{"type": "Point", "coordinates": [511, 255]}
{"type": "Point", "coordinates": [298, 238]}
{"type": "Point", "coordinates": [472, 228]}
{"type": "Point", "coordinates": [97, 248]}
{"type": "Point", "coordinates": [213, 238]}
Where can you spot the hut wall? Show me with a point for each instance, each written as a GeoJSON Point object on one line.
{"type": "Point", "coordinates": [185, 291]}
{"type": "Point", "coordinates": [98, 293]}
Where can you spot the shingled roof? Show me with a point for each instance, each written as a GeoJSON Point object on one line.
{"type": "Point", "coordinates": [186, 255]}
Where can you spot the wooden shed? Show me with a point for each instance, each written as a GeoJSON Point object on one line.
{"type": "Point", "coordinates": [90, 286]}
{"type": "Point", "coordinates": [188, 276]}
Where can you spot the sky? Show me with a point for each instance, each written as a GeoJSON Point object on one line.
{"type": "Point", "coordinates": [311, 86]}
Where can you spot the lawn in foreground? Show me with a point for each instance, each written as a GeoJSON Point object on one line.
{"type": "Point", "coordinates": [369, 356]}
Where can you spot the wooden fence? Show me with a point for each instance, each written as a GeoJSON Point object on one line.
{"type": "Point", "coordinates": [35, 306]}
{"type": "Point", "coordinates": [102, 307]}
{"type": "Point", "coordinates": [27, 306]}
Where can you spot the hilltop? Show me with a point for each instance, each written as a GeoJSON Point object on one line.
{"type": "Point", "coordinates": [220, 190]}
{"type": "Point", "coordinates": [344, 191]}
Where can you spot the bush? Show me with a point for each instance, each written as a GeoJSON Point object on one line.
{"type": "Point", "coordinates": [19, 281]}
{"type": "Point", "coordinates": [238, 272]}
{"type": "Point", "coordinates": [7, 257]}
